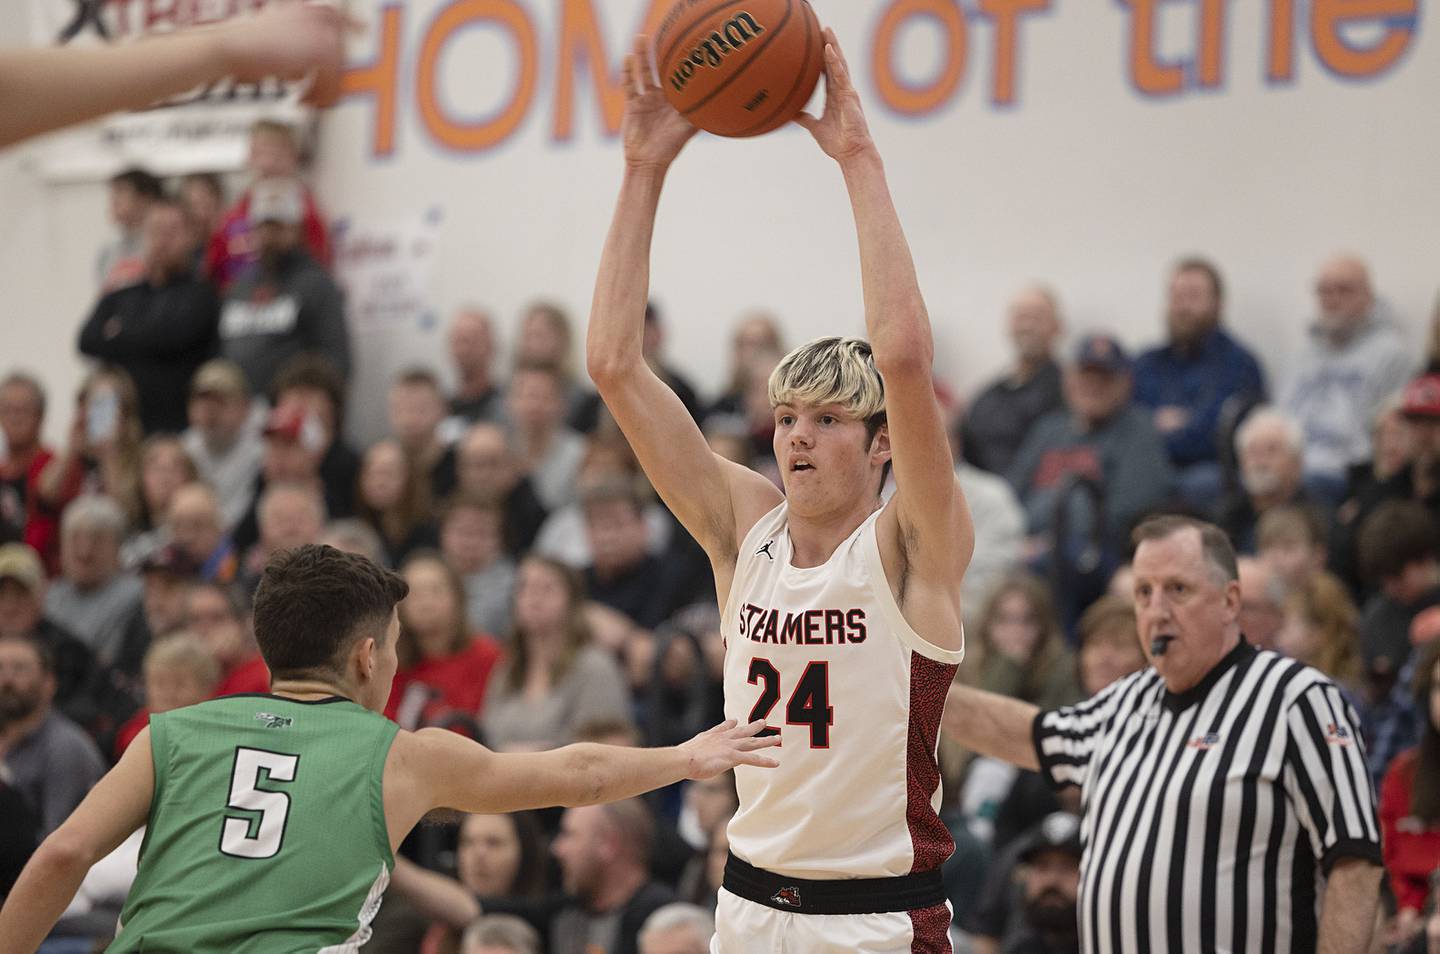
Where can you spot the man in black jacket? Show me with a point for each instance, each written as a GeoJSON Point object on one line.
{"type": "Point", "coordinates": [163, 327]}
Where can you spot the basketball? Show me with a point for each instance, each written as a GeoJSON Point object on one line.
{"type": "Point", "coordinates": [739, 68]}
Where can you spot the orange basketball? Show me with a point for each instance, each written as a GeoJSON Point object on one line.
{"type": "Point", "coordinates": [739, 67]}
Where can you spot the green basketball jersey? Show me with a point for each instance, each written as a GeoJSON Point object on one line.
{"type": "Point", "coordinates": [267, 829]}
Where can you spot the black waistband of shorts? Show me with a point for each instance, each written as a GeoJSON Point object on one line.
{"type": "Point", "coordinates": [910, 892]}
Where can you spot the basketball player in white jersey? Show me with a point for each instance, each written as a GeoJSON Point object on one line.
{"type": "Point", "coordinates": [841, 614]}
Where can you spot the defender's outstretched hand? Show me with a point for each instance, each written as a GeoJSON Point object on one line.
{"type": "Point", "coordinates": [841, 129]}
{"type": "Point", "coordinates": [726, 746]}
{"type": "Point", "coordinates": [290, 41]}
{"type": "Point", "coordinates": [653, 131]}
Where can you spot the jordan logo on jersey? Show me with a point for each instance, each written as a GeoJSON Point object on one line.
{"type": "Point", "coordinates": [789, 897]}
{"type": "Point", "coordinates": [766, 550]}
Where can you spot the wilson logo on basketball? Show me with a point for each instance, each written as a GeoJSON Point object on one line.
{"type": "Point", "coordinates": [732, 35]}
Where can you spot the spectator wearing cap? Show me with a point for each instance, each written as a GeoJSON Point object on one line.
{"type": "Point", "coordinates": [223, 438]}
{"type": "Point", "coordinates": [287, 304]}
{"type": "Point", "coordinates": [303, 442]}
{"type": "Point", "coordinates": [1187, 382]}
{"type": "Point", "coordinates": [161, 328]}
{"type": "Point", "coordinates": [167, 575]}
{"type": "Point", "coordinates": [1030, 905]}
{"type": "Point", "coordinates": [22, 602]}
{"type": "Point", "coordinates": [45, 756]}
{"type": "Point", "coordinates": [22, 455]}
{"type": "Point", "coordinates": [1354, 358]}
{"type": "Point", "coordinates": [1418, 480]}
{"type": "Point", "coordinates": [1100, 436]}
{"type": "Point", "coordinates": [274, 154]}
{"type": "Point", "coordinates": [1270, 447]}
{"type": "Point", "coordinates": [1001, 416]}
{"type": "Point", "coordinates": [93, 598]}
{"type": "Point", "coordinates": [120, 262]}
{"type": "Point", "coordinates": [194, 525]}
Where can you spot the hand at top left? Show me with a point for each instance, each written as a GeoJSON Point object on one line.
{"type": "Point", "coordinates": [289, 41]}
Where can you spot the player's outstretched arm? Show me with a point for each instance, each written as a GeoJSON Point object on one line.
{"type": "Point", "coordinates": [117, 805]}
{"type": "Point", "coordinates": [45, 90]}
{"type": "Point", "coordinates": [935, 526]}
{"type": "Point", "coordinates": [993, 725]}
{"type": "Point", "coordinates": [695, 484]}
{"type": "Point", "coordinates": [444, 770]}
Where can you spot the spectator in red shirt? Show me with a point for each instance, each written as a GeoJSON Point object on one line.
{"type": "Point", "coordinates": [216, 614]}
{"type": "Point", "coordinates": [1410, 806]}
{"type": "Point", "coordinates": [444, 668]}
{"type": "Point", "coordinates": [22, 457]}
{"type": "Point", "coordinates": [274, 154]}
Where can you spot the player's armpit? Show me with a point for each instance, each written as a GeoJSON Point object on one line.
{"type": "Point", "coordinates": [117, 805]}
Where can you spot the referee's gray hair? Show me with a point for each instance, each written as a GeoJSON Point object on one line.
{"type": "Point", "coordinates": [1267, 414]}
{"type": "Point", "coordinates": [500, 930]}
{"type": "Point", "coordinates": [94, 512]}
{"type": "Point", "coordinates": [679, 915]}
{"type": "Point", "coordinates": [830, 371]}
{"type": "Point", "coordinates": [1214, 544]}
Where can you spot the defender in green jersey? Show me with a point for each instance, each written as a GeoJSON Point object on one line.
{"type": "Point", "coordinates": [272, 819]}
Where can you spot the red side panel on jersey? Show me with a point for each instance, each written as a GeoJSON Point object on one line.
{"type": "Point", "coordinates": [931, 930]}
{"type": "Point", "coordinates": [929, 683]}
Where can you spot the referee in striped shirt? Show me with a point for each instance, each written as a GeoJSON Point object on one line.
{"type": "Point", "coordinates": [1225, 801]}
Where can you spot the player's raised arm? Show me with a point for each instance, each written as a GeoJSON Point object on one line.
{"type": "Point", "coordinates": [439, 769]}
{"type": "Point", "coordinates": [935, 524]}
{"type": "Point", "coordinates": [114, 809]}
{"type": "Point", "coordinates": [695, 484]}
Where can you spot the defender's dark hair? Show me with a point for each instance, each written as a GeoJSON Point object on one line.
{"type": "Point", "coordinates": [315, 602]}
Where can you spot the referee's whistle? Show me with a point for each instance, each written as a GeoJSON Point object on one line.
{"type": "Point", "coordinates": [1159, 644]}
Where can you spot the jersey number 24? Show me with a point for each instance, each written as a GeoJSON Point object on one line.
{"type": "Point", "coordinates": [809, 702]}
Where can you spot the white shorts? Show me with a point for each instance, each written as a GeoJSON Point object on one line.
{"type": "Point", "coordinates": [744, 927]}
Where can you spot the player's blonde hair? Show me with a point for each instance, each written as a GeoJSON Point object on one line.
{"type": "Point", "coordinates": [831, 371]}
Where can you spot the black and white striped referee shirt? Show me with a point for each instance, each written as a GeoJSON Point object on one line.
{"type": "Point", "coordinates": [1210, 818]}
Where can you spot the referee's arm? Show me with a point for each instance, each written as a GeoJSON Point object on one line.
{"type": "Point", "coordinates": [1327, 780]}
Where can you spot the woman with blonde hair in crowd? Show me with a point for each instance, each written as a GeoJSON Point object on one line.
{"type": "Point", "coordinates": [1320, 630]}
{"type": "Point", "coordinates": [445, 668]}
{"type": "Point", "coordinates": [553, 680]}
{"type": "Point", "coordinates": [101, 456]}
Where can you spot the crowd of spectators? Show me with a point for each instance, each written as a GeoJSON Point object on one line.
{"type": "Point", "coordinates": [554, 598]}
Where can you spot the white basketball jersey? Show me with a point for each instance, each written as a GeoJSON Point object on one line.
{"type": "Point", "coordinates": [824, 655]}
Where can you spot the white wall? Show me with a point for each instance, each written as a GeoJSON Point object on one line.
{"type": "Point", "coordinates": [1083, 182]}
